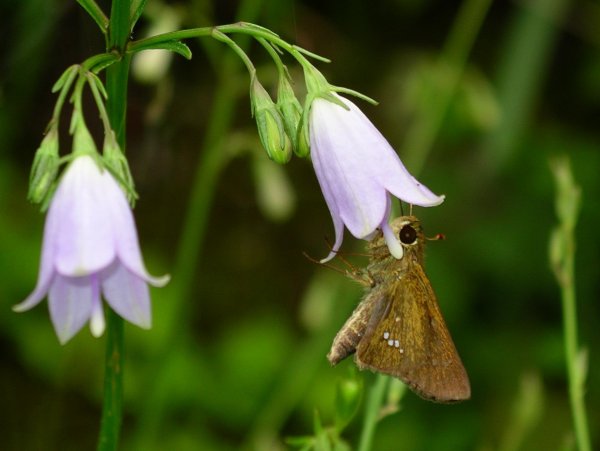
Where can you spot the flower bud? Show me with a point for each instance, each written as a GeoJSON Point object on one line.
{"type": "Point", "coordinates": [44, 168]}
{"type": "Point", "coordinates": [302, 148]}
{"type": "Point", "coordinates": [290, 109]}
{"type": "Point", "coordinates": [116, 161]}
{"type": "Point", "coordinates": [83, 143]}
{"type": "Point", "coordinates": [270, 125]}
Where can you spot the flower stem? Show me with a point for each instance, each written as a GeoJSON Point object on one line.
{"type": "Point", "coordinates": [374, 402]}
{"type": "Point", "coordinates": [110, 425]}
{"type": "Point", "coordinates": [116, 82]}
{"type": "Point", "coordinates": [562, 259]}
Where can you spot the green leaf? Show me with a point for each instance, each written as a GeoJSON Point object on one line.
{"type": "Point", "coordinates": [173, 46]}
{"type": "Point", "coordinates": [137, 7]}
{"type": "Point", "coordinates": [66, 78]}
{"type": "Point", "coordinates": [93, 78]}
{"type": "Point", "coordinates": [96, 13]}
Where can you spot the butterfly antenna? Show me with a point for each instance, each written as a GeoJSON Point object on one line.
{"type": "Point", "coordinates": [326, 265]}
{"type": "Point", "coordinates": [341, 254]}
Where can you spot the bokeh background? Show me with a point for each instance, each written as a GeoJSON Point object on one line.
{"type": "Point", "coordinates": [476, 96]}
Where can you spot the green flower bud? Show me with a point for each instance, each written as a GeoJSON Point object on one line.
{"type": "Point", "coordinates": [83, 143]}
{"type": "Point", "coordinates": [290, 109]}
{"type": "Point", "coordinates": [44, 168]}
{"type": "Point", "coordinates": [302, 148]}
{"type": "Point", "coordinates": [117, 163]}
{"type": "Point", "coordinates": [270, 125]}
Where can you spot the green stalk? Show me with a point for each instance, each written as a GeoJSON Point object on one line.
{"type": "Point", "coordinates": [562, 259]}
{"type": "Point", "coordinates": [116, 82]}
{"type": "Point", "coordinates": [374, 402]}
{"type": "Point", "coordinates": [112, 407]}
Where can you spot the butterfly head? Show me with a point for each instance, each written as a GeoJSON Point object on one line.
{"type": "Point", "coordinates": [408, 231]}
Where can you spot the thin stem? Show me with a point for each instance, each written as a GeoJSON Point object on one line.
{"type": "Point", "coordinates": [98, 62]}
{"type": "Point", "coordinates": [574, 362]}
{"type": "Point", "coordinates": [116, 81]}
{"type": "Point", "coordinates": [236, 49]}
{"type": "Point", "coordinates": [562, 258]}
{"type": "Point", "coordinates": [113, 384]}
{"type": "Point", "coordinates": [99, 102]}
{"type": "Point", "coordinates": [281, 69]}
{"type": "Point", "coordinates": [64, 90]}
{"type": "Point", "coordinates": [239, 28]}
{"type": "Point", "coordinates": [374, 403]}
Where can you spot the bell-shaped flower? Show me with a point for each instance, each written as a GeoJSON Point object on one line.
{"type": "Point", "coordinates": [91, 249]}
{"type": "Point", "coordinates": [357, 170]}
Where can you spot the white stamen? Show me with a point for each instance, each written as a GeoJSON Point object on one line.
{"type": "Point", "coordinates": [386, 335]}
{"type": "Point", "coordinates": [392, 242]}
{"type": "Point", "coordinates": [391, 342]}
{"type": "Point", "coordinates": [396, 343]}
{"type": "Point", "coordinates": [401, 351]}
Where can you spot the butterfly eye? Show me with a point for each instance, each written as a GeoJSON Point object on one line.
{"type": "Point", "coordinates": [408, 235]}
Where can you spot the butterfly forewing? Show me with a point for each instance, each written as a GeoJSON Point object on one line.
{"type": "Point", "coordinates": [406, 337]}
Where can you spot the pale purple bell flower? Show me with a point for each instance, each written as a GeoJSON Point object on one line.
{"type": "Point", "coordinates": [357, 170]}
{"type": "Point", "coordinates": [90, 250]}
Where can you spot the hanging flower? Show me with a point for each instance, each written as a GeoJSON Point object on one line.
{"type": "Point", "coordinates": [91, 248]}
{"type": "Point", "coordinates": [357, 170]}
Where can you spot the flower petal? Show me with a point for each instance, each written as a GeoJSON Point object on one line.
{"type": "Point", "coordinates": [383, 162]}
{"type": "Point", "coordinates": [46, 272]}
{"type": "Point", "coordinates": [341, 157]}
{"type": "Point", "coordinates": [339, 237]}
{"type": "Point", "coordinates": [127, 293]}
{"type": "Point", "coordinates": [70, 302]}
{"type": "Point", "coordinates": [83, 237]}
{"type": "Point", "coordinates": [125, 233]}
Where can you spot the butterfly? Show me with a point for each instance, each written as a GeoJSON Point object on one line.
{"type": "Point", "coordinates": [398, 328]}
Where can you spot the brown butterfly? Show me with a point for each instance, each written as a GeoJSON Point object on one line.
{"type": "Point", "coordinates": [397, 328]}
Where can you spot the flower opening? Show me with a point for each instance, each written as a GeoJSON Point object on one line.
{"type": "Point", "coordinates": [90, 249]}
{"type": "Point", "coordinates": [357, 170]}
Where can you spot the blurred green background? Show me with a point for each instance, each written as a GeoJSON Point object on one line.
{"type": "Point", "coordinates": [474, 101]}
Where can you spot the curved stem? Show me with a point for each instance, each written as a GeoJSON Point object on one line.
{"type": "Point", "coordinates": [219, 36]}
{"type": "Point", "coordinates": [239, 28]}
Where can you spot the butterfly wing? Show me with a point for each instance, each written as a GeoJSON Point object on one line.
{"type": "Point", "coordinates": [407, 338]}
